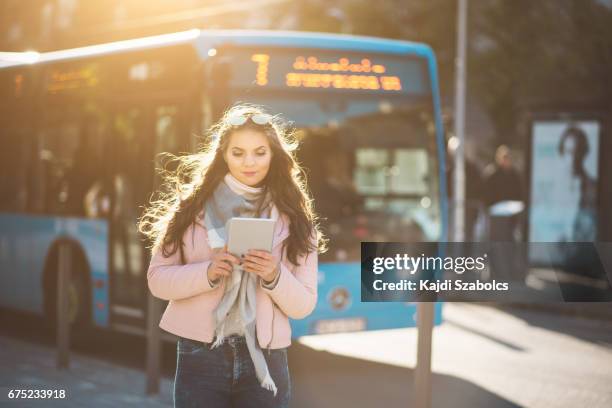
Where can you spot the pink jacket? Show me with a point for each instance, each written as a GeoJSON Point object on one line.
{"type": "Point", "coordinates": [192, 300]}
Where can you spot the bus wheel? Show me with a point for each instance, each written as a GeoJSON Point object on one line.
{"type": "Point", "coordinates": [77, 291]}
{"type": "Point", "coordinates": [76, 301]}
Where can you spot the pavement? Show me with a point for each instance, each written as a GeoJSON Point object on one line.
{"type": "Point", "coordinates": [482, 357]}
{"type": "Point", "coordinates": [89, 382]}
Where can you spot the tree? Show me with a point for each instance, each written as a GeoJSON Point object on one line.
{"type": "Point", "coordinates": [548, 53]}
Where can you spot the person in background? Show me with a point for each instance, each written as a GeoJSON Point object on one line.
{"type": "Point", "coordinates": [502, 183]}
{"type": "Point", "coordinates": [501, 180]}
{"type": "Point", "coordinates": [473, 187]}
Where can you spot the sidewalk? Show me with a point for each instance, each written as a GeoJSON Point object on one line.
{"type": "Point", "coordinates": [88, 383]}
{"type": "Point", "coordinates": [484, 357]}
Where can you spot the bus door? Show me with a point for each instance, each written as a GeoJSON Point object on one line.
{"type": "Point", "coordinates": [140, 131]}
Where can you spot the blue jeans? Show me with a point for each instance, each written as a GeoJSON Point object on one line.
{"type": "Point", "coordinates": [225, 376]}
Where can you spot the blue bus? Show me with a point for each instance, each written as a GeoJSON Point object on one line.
{"type": "Point", "coordinates": [82, 129]}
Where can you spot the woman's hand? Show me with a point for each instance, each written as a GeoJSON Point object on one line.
{"type": "Point", "coordinates": [221, 264]}
{"type": "Point", "coordinates": [261, 263]}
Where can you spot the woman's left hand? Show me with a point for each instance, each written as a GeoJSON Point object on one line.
{"type": "Point", "coordinates": [261, 263]}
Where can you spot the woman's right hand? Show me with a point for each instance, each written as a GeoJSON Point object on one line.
{"type": "Point", "coordinates": [221, 264]}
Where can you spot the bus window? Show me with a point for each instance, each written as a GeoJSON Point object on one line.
{"type": "Point", "coordinates": [70, 159]}
{"type": "Point", "coordinates": [14, 170]}
{"type": "Point", "coordinates": [88, 166]}
{"type": "Point", "coordinates": [130, 179]}
{"type": "Point", "coordinates": [170, 136]}
{"type": "Point", "coordinates": [370, 170]}
{"type": "Point", "coordinates": [16, 174]}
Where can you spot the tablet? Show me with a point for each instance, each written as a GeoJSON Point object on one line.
{"type": "Point", "coordinates": [249, 233]}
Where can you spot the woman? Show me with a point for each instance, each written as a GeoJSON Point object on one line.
{"type": "Point", "coordinates": [577, 203]}
{"type": "Point", "coordinates": [574, 150]}
{"type": "Point", "coordinates": [231, 315]}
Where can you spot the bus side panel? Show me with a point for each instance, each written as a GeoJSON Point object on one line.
{"type": "Point", "coordinates": [24, 242]}
{"type": "Point", "coordinates": [339, 306]}
{"type": "Point", "coordinates": [24, 245]}
{"type": "Point", "coordinates": [93, 235]}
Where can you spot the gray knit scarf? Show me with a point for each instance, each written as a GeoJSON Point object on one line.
{"type": "Point", "coordinates": [230, 199]}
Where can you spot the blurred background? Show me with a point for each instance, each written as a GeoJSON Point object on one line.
{"type": "Point", "coordinates": [91, 92]}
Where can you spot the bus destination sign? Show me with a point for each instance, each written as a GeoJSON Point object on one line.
{"type": "Point", "coordinates": [315, 70]}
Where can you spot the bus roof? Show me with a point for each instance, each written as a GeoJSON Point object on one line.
{"type": "Point", "coordinates": [203, 40]}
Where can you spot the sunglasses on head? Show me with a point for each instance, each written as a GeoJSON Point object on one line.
{"type": "Point", "coordinates": [239, 119]}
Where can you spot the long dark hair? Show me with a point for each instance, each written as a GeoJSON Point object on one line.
{"type": "Point", "coordinates": [185, 190]}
